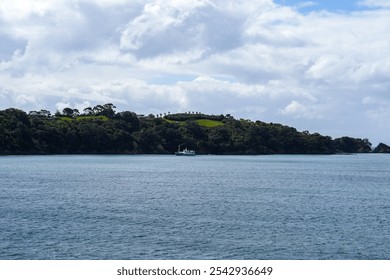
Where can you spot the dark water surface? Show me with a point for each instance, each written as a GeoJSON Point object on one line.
{"type": "Point", "coordinates": [203, 207]}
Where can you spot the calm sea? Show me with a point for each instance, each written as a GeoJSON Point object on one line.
{"type": "Point", "coordinates": [203, 207]}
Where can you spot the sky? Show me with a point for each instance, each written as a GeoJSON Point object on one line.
{"type": "Point", "coordinates": [321, 66]}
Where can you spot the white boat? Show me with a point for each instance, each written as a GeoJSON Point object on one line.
{"type": "Point", "coordinates": [184, 152]}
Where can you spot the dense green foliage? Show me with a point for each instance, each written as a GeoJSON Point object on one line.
{"type": "Point", "coordinates": [201, 122]}
{"type": "Point", "coordinates": [382, 148]}
{"type": "Point", "coordinates": [193, 116]}
{"type": "Point", "coordinates": [101, 130]}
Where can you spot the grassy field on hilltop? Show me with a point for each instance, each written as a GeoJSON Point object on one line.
{"type": "Point", "coordinates": [209, 123]}
{"type": "Point", "coordinates": [201, 122]}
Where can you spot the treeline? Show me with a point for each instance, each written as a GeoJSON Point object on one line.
{"type": "Point", "coordinates": [194, 116]}
{"type": "Point", "coordinates": [102, 130]}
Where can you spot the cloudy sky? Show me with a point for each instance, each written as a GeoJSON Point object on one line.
{"type": "Point", "coordinates": [322, 66]}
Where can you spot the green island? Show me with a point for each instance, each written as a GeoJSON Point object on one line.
{"type": "Point", "coordinates": [102, 130]}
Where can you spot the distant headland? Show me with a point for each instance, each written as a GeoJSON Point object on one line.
{"type": "Point", "coordinates": [102, 130]}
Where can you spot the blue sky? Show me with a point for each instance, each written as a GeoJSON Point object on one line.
{"type": "Point", "coordinates": [276, 61]}
{"type": "Point", "coordinates": [329, 5]}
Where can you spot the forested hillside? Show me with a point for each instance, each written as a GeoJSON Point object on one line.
{"type": "Point", "coordinates": [102, 130]}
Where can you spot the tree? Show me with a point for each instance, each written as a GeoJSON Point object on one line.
{"type": "Point", "coordinates": [130, 118]}
{"type": "Point", "coordinates": [88, 111]}
{"type": "Point", "coordinates": [352, 145]}
{"type": "Point", "coordinates": [219, 140]}
{"type": "Point", "coordinates": [108, 110]}
{"type": "Point", "coordinates": [76, 112]}
{"type": "Point", "coordinates": [98, 109]}
{"type": "Point", "coordinates": [68, 112]}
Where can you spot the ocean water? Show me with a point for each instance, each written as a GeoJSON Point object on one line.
{"type": "Point", "coordinates": [203, 207]}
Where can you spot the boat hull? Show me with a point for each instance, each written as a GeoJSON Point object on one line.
{"type": "Point", "coordinates": [184, 154]}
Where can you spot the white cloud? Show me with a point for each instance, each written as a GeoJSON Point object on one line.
{"type": "Point", "coordinates": [293, 108]}
{"type": "Point", "coordinates": [16, 10]}
{"type": "Point", "coordinates": [255, 59]}
{"type": "Point", "coordinates": [306, 4]}
{"type": "Point", "coordinates": [166, 27]}
{"type": "Point", "coordinates": [298, 110]}
{"type": "Point", "coordinates": [375, 3]}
